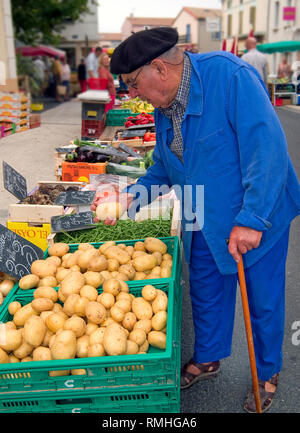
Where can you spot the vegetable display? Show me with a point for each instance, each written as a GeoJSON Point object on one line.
{"type": "Point", "coordinates": [122, 230]}
{"type": "Point", "coordinates": [47, 194]}
{"type": "Point", "coordinates": [136, 105]}
{"type": "Point", "coordinates": [140, 119]}
{"type": "Point", "coordinates": [76, 321]}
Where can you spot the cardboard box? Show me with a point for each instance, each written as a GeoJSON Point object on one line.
{"type": "Point", "coordinates": [80, 171]}
{"type": "Point", "coordinates": [35, 233]}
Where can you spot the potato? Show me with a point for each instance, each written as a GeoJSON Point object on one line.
{"type": "Point", "coordinates": [106, 244]}
{"type": "Point", "coordinates": [69, 304]}
{"type": "Point", "coordinates": [95, 312]}
{"type": "Point", "coordinates": [27, 359]}
{"type": "Point", "coordinates": [112, 265]}
{"type": "Point", "coordinates": [61, 274]}
{"type": "Point", "coordinates": [75, 324]}
{"type": "Point", "coordinates": [114, 252]}
{"type": "Point", "coordinates": [108, 321]}
{"type": "Point", "coordinates": [139, 246]}
{"type": "Point", "coordinates": [98, 263]}
{"type": "Point", "coordinates": [157, 339]}
{"type": "Point", "coordinates": [132, 348]}
{"type": "Point", "coordinates": [46, 292]}
{"type": "Point", "coordinates": [117, 313]}
{"type": "Point", "coordinates": [48, 281]}
{"type": "Point", "coordinates": [111, 210]}
{"type": "Point", "coordinates": [10, 339]}
{"type": "Point", "coordinates": [59, 249]}
{"type": "Point", "coordinates": [23, 350]}
{"type": "Point", "coordinates": [34, 331]}
{"type": "Point", "coordinates": [72, 283]}
{"type": "Point", "coordinates": [115, 340]}
{"type": "Point", "coordinates": [124, 304]}
{"type": "Point", "coordinates": [14, 307]}
{"type": "Point", "coordinates": [9, 325]}
{"type": "Point", "coordinates": [152, 244]}
{"type": "Point", "coordinates": [138, 336]}
{"type": "Point", "coordinates": [79, 306]}
{"type": "Point", "coordinates": [6, 286]}
{"type": "Point", "coordinates": [166, 272]}
{"type": "Point", "coordinates": [112, 286]}
{"type": "Point", "coordinates": [75, 268]}
{"type": "Point", "coordinates": [141, 308]}
{"type": "Point", "coordinates": [89, 292]}
{"type": "Point", "coordinates": [167, 257]}
{"type": "Point", "coordinates": [144, 262]}
{"type": "Point", "coordinates": [13, 358]}
{"type": "Point", "coordinates": [127, 270]}
{"type": "Point", "coordinates": [149, 292]}
{"type": "Point", "coordinates": [54, 322]}
{"type": "Point", "coordinates": [78, 372]}
{"type": "Point", "coordinates": [96, 350]}
{"type": "Point", "coordinates": [57, 307]}
{"type": "Point", "coordinates": [64, 345]}
{"type": "Point", "coordinates": [29, 282]}
{"type": "Point", "coordinates": [159, 320]}
{"type": "Point", "coordinates": [23, 314]}
{"type": "Point", "coordinates": [61, 296]}
{"type": "Point", "coordinates": [55, 260]}
{"type": "Point", "coordinates": [41, 354]}
{"type": "Point", "coordinates": [45, 314]}
{"type": "Point", "coordinates": [144, 324]}
{"type": "Point", "coordinates": [56, 373]}
{"type": "Point", "coordinates": [106, 299]}
{"type": "Point", "coordinates": [42, 304]}
{"type": "Point", "coordinates": [97, 336]}
{"type": "Point", "coordinates": [4, 358]}
{"type": "Point", "coordinates": [124, 286]}
{"type": "Point", "coordinates": [85, 257]}
{"type": "Point", "coordinates": [43, 269]}
{"type": "Point", "coordinates": [129, 249]}
{"type": "Point", "coordinates": [85, 246]}
{"type": "Point", "coordinates": [160, 302]}
{"type": "Point", "coordinates": [92, 278]}
{"type": "Point", "coordinates": [140, 276]}
{"type": "Point", "coordinates": [144, 347]}
{"type": "Point", "coordinates": [47, 337]}
{"type": "Point", "coordinates": [82, 346]}
{"type": "Point", "coordinates": [158, 256]}
{"type": "Point", "coordinates": [166, 264]}
{"type": "Point", "coordinates": [90, 327]}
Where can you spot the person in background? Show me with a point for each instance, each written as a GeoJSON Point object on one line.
{"type": "Point", "coordinates": [103, 72]}
{"type": "Point", "coordinates": [56, 70]}
{"type": "Point", "coordinates": [256, 59]}
{"type": "Point", "coordinates": [284, 69]}
{"type": "Point", "coordinates": [81, 75]}
{"type": "Point", "coordinates": [40, 68]}
{"type": "Point", "coordinates": [92, 63]}
{"type": "Point", "coordinates": [216, 129]}
{"type": "Point", "coordinates": [65, 77]}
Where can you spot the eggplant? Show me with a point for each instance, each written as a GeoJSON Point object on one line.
{"type": "Point", "coordinates": [101, 158]}
{"type": "Point", "coordinates": [81, 157]}
{"type": "Point", "coordinates": [90, 156]}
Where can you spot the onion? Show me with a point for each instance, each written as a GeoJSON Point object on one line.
{"type": "Point", "coordinates": [6, 286]}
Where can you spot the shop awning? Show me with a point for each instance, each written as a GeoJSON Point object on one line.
{"type": "Point", "coordinates": [41, 50]}
{"type": "Point", "coordinates": [279, 47]}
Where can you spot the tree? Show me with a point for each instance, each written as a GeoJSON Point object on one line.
{"type": "Point", "coordinates": [40, 21]}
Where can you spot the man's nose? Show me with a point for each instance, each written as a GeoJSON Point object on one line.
{"type": "Point", "coordinates": [133, 93]}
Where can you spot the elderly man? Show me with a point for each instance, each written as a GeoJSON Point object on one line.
{"type": "Point", "coordinates": [216, 127]}
{"type": "Point", "coordinates": [256, 59]}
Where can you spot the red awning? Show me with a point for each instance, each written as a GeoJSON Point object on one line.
{"type": "Point", "coordinates": [41, 50]}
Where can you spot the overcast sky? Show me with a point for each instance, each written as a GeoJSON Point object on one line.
{"type": "Point", "coordinates": [112, 13]}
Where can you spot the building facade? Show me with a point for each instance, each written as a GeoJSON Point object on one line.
{"type": "Point", "coordinates": [199, 28]}
{"type": "Point", "coordinates": [8, 69]}
{"type": "Point", "coordinates": [136, 24]}
{"type": "Point", "coordinates": [268, 21]}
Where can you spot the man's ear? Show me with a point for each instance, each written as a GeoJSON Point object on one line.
{"type": "Point", "coordinates": [160, 67]}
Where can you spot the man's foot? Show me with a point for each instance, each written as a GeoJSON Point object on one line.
{"type": "Point", "coordinates": [193, 371]}
{"type": "Point", "coordinates": [266, 390]}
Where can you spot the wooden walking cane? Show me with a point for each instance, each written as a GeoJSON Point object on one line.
{"type": "Point", "coordinates": [242, 281]}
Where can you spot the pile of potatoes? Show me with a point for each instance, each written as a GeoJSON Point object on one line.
{"type": "Point", "coordinates": [6, 284]}
{"type": "Point", "coordinates": [76, 321]}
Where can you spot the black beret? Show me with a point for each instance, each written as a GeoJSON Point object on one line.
{"type": "Point", "coordinates": [142, 47]}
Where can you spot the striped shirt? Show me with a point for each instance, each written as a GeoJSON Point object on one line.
{"type": "Point", "coordinates": [177, 109]}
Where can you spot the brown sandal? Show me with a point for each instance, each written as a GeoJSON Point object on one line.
{"type": "Point", "coordinates": [266, 397]}
{"type": "Point", "coordinates": [187, 378]}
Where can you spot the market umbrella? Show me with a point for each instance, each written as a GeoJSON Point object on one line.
{"type": "Point", "coordinates": [41, 50]}
{"type": "Point", "coordinates": [279, 47]}
{"type": "Point", "coordinates": [224, 45]}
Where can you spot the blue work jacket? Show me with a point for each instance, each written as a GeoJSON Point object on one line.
{"type": "Point", "coordinates": [235, 147]}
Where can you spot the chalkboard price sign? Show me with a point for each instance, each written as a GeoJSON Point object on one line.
{"type": "Point", "coordinates": [14, 182]}
{"type": "Point", "coordinates": [17, 254]}
{"type": "Point", "coordinates": [75, 198]}
{"type": "Point", "coordinates": [67, 223]}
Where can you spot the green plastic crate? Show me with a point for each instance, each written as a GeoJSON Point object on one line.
{"type": "Point", "coordinates": [157, 368]}
{"type": "Point", "coordinates": [142, 400]}
{"type": "Point", "coordinates": [117, 117]}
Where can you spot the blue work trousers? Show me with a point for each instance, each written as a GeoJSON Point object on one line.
{"type": "Point", "coordinates": [213, 297]}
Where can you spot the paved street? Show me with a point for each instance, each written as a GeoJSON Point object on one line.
{"type": "Point", "coordinates": [31, 153]}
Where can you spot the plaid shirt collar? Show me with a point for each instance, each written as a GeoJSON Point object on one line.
{"type": "Point", "coordinates": [182, 95]}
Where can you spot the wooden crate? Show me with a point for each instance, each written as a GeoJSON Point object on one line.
{"type": "Point", "coordinates": [35, 213]}
{"type": "Point", "coordinates": [139, 145]}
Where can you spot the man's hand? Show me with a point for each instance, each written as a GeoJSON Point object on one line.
{"type": "Point", "coordinates": [243, 239]}
{"type": "Point", "coordinates": [124, 199]}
